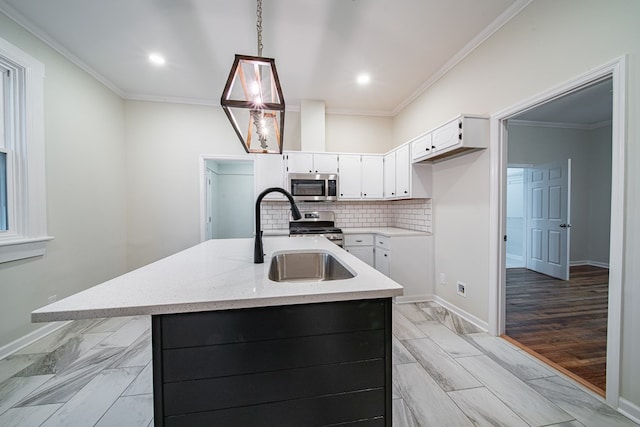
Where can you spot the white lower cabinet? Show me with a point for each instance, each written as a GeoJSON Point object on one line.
{"type": "Point", "coordinates": [409, 261]}
{"type": "Point", "coordinates": [383, 258]}
{"type": "Point", "coordinates": [360, 246]}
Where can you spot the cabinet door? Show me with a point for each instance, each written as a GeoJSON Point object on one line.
{"type": "Point", "coordinates": [382, 261]}
{"type": "Point", "coordinates": [325, 163]}
{"type": "Point", "coordinates": [403, 171]}
{"type": "Point", "coordinates": [421, 147]}
{"type": "Point", "coordinates": [446, 136]}
{"type": "Point", "coordinates": [390, 175]}
{"type": "Point", "coordinates": [372, 177]}
{"type": "Point", "coordinates": [350, 183]}
{"type": "Point", "coordinates": [269, 172]}
{"type": "Point", "coordinates": [299, 162]}
{"type": "Point", "coordinates": [365, 253]}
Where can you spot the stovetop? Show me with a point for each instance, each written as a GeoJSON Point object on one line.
{"type": "Point", "coordinates": [314, 230]}
{"type": "Point", "coordinates": [322, 222]}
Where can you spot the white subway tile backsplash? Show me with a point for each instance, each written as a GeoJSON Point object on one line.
{"type": "Point", "coordinates": [410, 214]}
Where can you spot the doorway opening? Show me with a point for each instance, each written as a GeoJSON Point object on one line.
{"type": "Point", "coordinates": [558, 213]}
{"type": "Point", "coordinates": [227, 198]}
{"type": "Point", "coordinates": [501, 133]}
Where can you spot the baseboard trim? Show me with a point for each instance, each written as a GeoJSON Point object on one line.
{"type": "Point", "coordinates": [412, 299]}
{"type": "Point", "coordinates": [464, 314]}
{"type": "Point", "coordinates": [589, 262]}
{"type": "Point", "coordinates": [8, 349]}
{"type": "Point", "coordinates": [629, 410]}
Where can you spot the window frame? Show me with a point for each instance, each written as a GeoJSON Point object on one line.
{"type": "Point", "coordinates": [26, 192]}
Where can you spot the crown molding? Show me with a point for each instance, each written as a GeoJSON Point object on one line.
{"type": "Point", "coordinates": [487, 32]}
{"type": "Point", "coordinates": [348, 112]}
{"type": "Point", "coordinates": [25, 23]}
{"type": "Point", "coordinates": [559, 125]}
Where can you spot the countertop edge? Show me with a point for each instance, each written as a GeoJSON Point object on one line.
{"type": "Point", "coordinates": [151, 310]}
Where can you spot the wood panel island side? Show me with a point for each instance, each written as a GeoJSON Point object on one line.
{"type": "Point", "coordinates": [231, 347]}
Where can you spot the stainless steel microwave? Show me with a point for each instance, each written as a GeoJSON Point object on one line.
{"type": "Point", "coordinates": [313, 187]}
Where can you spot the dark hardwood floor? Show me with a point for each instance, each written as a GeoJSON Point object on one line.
{"type": "Point", "coordinates": [562, 322]}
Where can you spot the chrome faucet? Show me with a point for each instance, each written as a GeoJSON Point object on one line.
{"type": "Point", "coordinates": [258, 252]}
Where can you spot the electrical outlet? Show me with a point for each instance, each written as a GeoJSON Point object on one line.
{"type": "Point", "coordinates": [443, 279]}
{"type": "Point", "coordinates": [52, 298]}
{"type": "Point", "coordinates": [461, 289]}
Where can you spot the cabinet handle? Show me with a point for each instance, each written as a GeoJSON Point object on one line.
{"type": "Point", "coordinates": [393, 194]}
{"type": "Point", "coordinates": [341, 194]}
{"type": "Point", "coordinates": [385, 255]}
{"type": "Point", "coordinates": [365, 194]}
{"type": "Point", "coordinates": [433, 147]}
{"type": "Point", "coordinates": [405, 191]}
{"type": "Point", "coordinates": [358, 241]}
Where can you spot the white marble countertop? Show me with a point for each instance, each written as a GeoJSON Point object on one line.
{"type": "Point", "coordinates": [384, 231]}
{"type": "Point", "coordinates": [218, 275]}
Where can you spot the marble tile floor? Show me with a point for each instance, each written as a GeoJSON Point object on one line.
{"type": "Point", "coordinates": [446, 372]}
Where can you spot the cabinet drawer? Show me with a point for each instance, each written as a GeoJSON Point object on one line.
{"type": "Point", "coordinates": [383, 242]}
{"type": "Point", "coordinates": [358, 239]}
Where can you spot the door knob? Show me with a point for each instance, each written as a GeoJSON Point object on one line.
{"type": "Point", "coordinates": [565, 225]}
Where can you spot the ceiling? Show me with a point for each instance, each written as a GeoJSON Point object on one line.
{"type": "Point", "coordinates": [319, 45]}
{"type": "Point", "coordinates": [588, 107]}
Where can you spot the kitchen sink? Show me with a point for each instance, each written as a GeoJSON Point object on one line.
{"type": "Point", "coordinates": [307, 267]}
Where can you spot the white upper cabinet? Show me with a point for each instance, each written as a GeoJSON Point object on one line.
{"type": "Point", "coordinates": [420, 147]}
{"type": "Point", "coordinates": [361, 176]}
{"type": "Point", "coordinates": [463, 134]}
{"type": "Point", "coordinates": [404, 180]}
{"type": "Point", "coordinates": [350, 178]}
{"type": "Point", "coordinates": [325, 163]}
{"type": "Point", "coordinates": [403, 172]}
{"type": "Point", "coordinates": [269, 172]}
{"type": "Point", "coordinates": [390, 175]}
{"type": "Point", "coordinates": [447, 135]}
{"type": "Point", "coordinates": [372, 177]}
{"type": "Point", "coordinates": [299, 162]}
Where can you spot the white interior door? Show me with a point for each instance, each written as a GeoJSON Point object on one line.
{"type": "Point", "coordinates": [548, 216]}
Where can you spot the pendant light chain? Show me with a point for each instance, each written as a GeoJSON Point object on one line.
{"type": "Point", "coordinates": [259, 27]}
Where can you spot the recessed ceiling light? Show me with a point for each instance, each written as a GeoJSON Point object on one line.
{"type": "Point", "coordinates": [157, 59]}
{"type": "Point", "coordinates": [363, 79]}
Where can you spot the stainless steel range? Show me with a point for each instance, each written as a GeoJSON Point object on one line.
{"type": "Point", "coordinates": [320, 223]}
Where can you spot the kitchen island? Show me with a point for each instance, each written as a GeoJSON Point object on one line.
{"type": "Point", "coordinates": [232, 347]}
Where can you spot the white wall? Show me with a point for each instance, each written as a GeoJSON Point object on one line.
{"type": "Point", "coordinates": [599, 205]}
{"type": "Point", "coordinates": [164, 145]}
{"type": "Point", "coordinates": [590, 154]}
{"type": "Point", "coordinates": [547, 44]}
{"type": "Point", "coordinates": [85, 171]}
{"type": "Point", "coordinates": [358, 134]}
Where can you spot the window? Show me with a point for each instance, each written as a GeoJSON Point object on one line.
{"type": "Point", "coordinates": [23, 219]}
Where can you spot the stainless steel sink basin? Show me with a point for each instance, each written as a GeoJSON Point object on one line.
{"type": "Point", "coordinates": [307, 266]}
